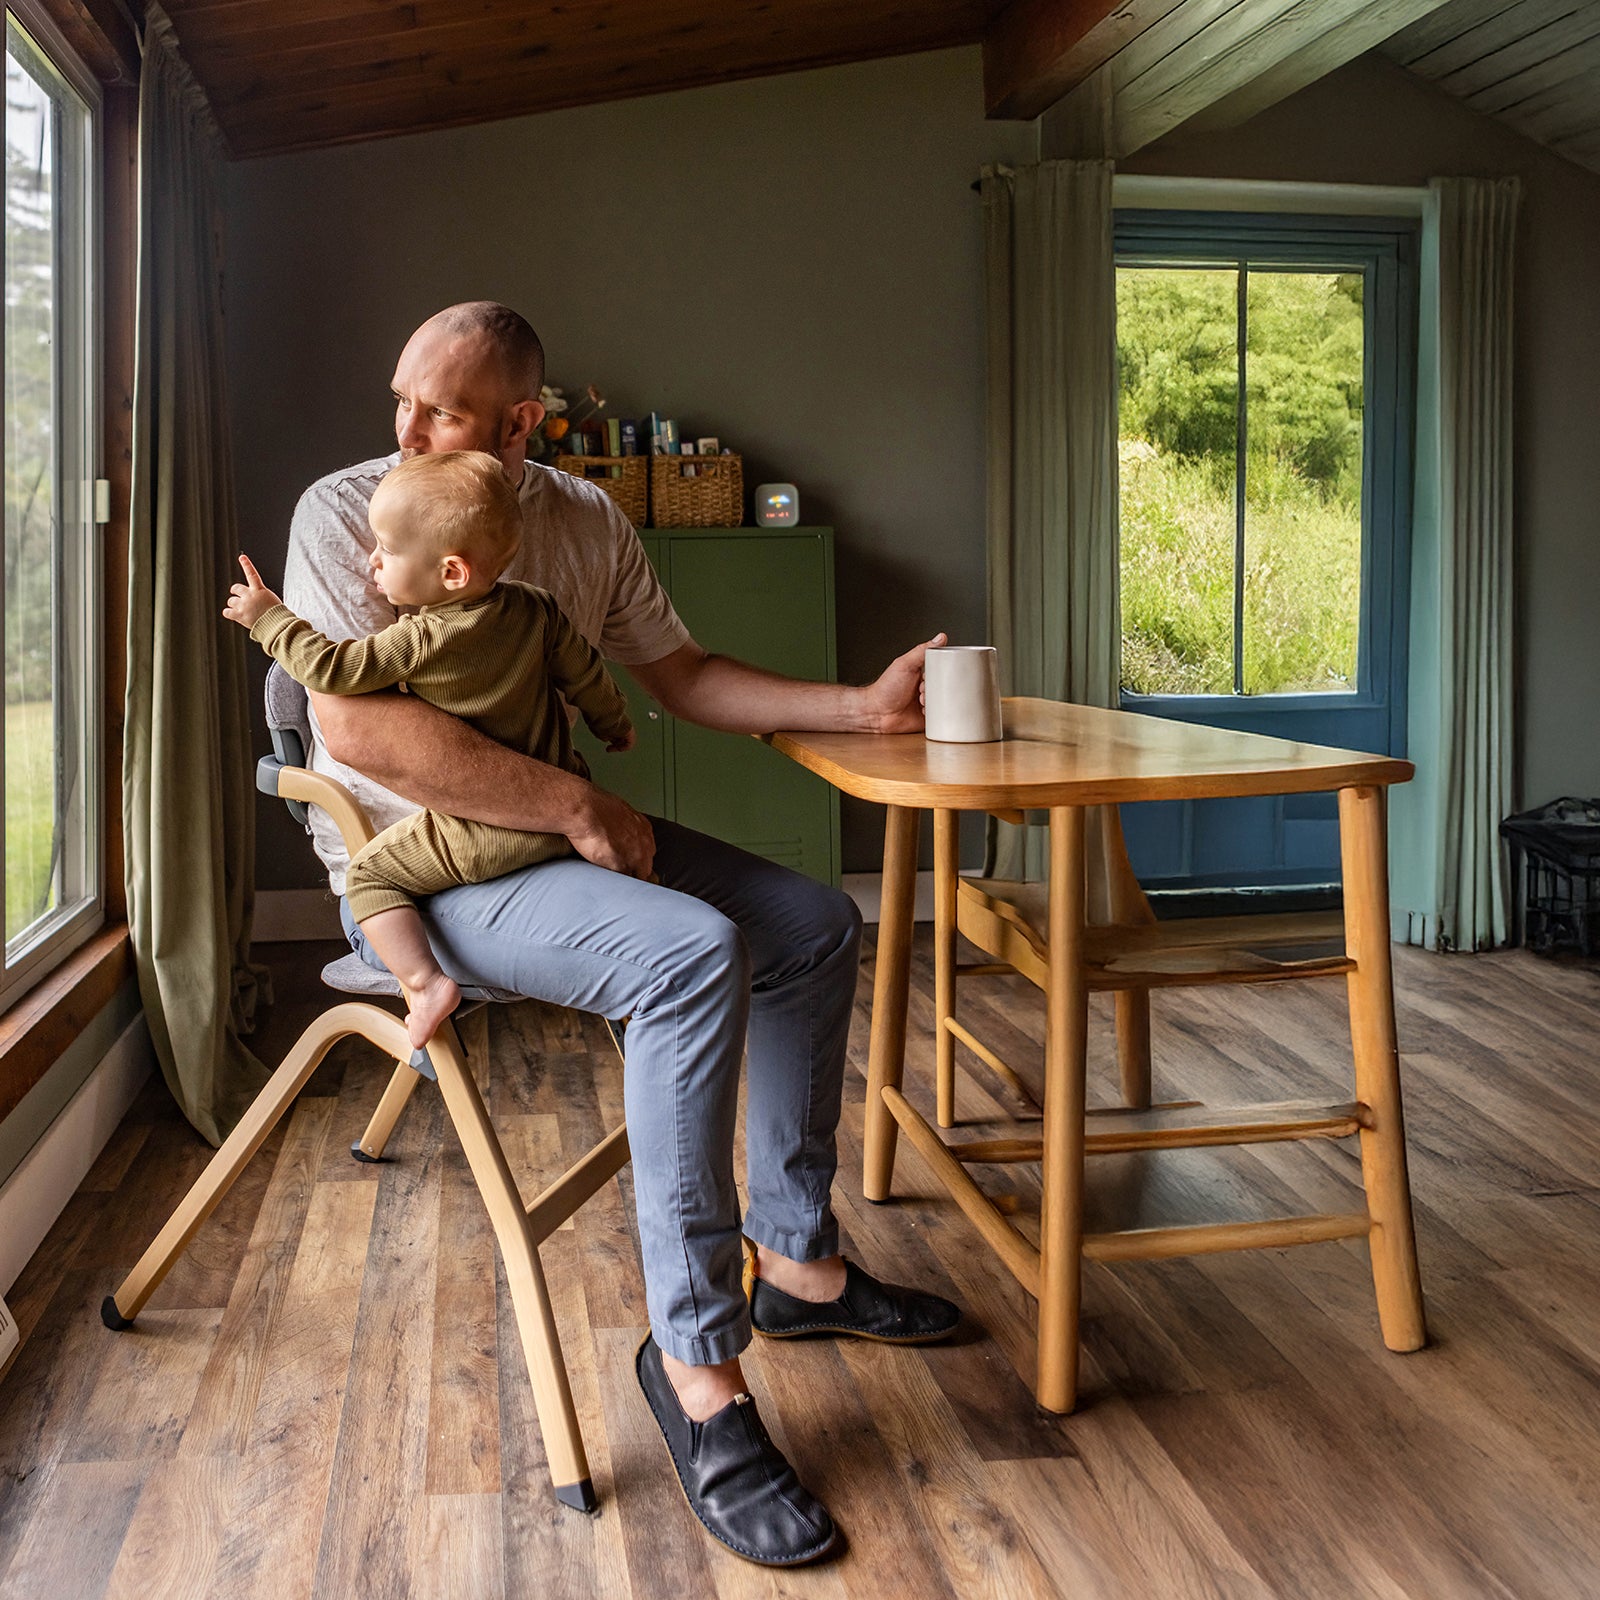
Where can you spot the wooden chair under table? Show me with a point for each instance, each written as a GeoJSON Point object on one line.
{"type": "Point", "coordinates": [519, 1227]}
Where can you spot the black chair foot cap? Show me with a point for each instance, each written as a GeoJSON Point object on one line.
{"type": "Point", "coordinates": [361, 1155]}
{"type": "Point", "coordinates": [580, 1496]}
{"type": "Point", "coordinates": [113, 1318]}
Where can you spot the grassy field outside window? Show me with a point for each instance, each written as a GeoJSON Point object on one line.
{"type": "Point", "coordinates": [1178, 338]}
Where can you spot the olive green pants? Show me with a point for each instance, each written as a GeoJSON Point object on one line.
{"type": "Point", "coordinates": [429, 852]}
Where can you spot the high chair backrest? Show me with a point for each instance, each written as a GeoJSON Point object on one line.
{"type": "Point", "coordinates": [289, 724]}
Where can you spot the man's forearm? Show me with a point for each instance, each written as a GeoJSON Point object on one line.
{"type": "Point", "coordinates": [442, 763]}
{"type": "Point", "coordinates": [721, 692]}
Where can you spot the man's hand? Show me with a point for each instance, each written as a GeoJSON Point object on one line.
{"type": "Point", "coordinates": [894, 702]}
{"type": "Point", "coordinates": [249, 600]}
{"type": "Point", "coordinates": [615, 836]}
{"type": "Point", "coordinates": [623, 742]}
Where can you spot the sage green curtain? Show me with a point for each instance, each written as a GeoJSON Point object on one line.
{"type": "Point", "coordinates": [1051, 293]}
{"type": "Point", "coordinates": [188, 805]}
{"type": "Point", "coordinates": [1477, 233]}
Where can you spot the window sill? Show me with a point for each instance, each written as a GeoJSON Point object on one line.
{"type": "Point", "coordinates": [38, 1028]}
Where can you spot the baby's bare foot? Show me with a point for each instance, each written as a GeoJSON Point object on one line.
{"type": "Point", "coordinates": [430, 1005]}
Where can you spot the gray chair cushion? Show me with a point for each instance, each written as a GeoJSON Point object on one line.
{"type": "Point", "coordinates": [351, 975]}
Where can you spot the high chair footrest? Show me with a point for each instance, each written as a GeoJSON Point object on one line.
{"type": "Point", "coordinates": [580, 1496]}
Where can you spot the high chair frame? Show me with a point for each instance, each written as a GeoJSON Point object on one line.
{"type": "Point", "coordinates": [519, 1227]}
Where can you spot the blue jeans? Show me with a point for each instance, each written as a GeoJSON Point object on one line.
{"type": "Point", "coordinates": [727, 946]}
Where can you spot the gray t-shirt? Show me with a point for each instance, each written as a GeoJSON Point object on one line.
{"type": "Point", "coordinates": [575, 543]}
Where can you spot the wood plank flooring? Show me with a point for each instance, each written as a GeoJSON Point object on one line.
{"type": "Point", "coordinates": [327, 1396]}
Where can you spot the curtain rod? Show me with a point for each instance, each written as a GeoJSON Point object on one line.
{"type": "Point", "coordinates": [1159, 192]}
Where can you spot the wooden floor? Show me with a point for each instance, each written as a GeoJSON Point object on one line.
{"type": "Point", "coordinates": [327, 1397]}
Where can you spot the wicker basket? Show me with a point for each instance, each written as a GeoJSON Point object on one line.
{"type": "Point", "coordinates": [630, 488]}
{"type": "Point", "coordinates": [712, 498]}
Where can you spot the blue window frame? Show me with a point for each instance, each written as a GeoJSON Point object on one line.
{"type": "Point", "coordinates": [1294, 842]}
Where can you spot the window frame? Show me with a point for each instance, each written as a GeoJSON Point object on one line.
{"type": "Point", "coordinates": [1386, 248]}
{"type": "Point", "coordinates": [73, 929]}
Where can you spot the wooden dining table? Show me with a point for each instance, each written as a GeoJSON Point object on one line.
{"type": "Point", "coordinates": [1066, 760]}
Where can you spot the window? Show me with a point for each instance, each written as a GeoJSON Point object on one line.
{"type": "Point", "coordinates": [1257, 515]}
{"type": "Point", "coordinates": [1266, 411]}
{"type": "Point", "coordinates": [1240, 444]}
{"type": "Point", "coordinates": [49, 618]}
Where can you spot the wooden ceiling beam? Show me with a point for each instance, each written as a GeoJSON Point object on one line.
{"type": "Point", "coordinates": [1036, 51]}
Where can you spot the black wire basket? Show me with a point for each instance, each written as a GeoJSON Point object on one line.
{"type": "Point", "coordinates": [1559, 847]}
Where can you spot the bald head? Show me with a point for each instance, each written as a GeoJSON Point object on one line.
{"type": "Point", "coordinates": [503, 335]}
{"type": "Point", "coordinates": [469, 379]}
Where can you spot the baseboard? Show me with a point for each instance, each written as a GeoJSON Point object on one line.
{"type": "Point", "coordinates": [38, 1191]}
{"type": "Point", "coordinates": [866, 889]}
{"type": "Point", "coordinates": [284, 915]}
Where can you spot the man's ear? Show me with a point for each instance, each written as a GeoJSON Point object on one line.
{"type": "Point", "coordinates": [521, 420]}
{"type": "Point", "coordinates": [454, 573]}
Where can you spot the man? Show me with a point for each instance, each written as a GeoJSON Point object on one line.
{"type": "Point", "coordinates": [722, 946]}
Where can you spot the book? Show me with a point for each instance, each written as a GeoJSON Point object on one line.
{"type": "Point", "coordinates": [630, 437]}
{"type": "Point", "coordinates": [613, 444]}
{"type": "Point", "coordinates": [708, 447]}
{"type": "Point", "coordinates": [687, 449]}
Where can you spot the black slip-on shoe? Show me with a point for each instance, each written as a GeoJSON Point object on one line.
{"type": "Point", "coordinates": [736, 1480]}
{"type": "Point", "coordinates": [866, 1310]}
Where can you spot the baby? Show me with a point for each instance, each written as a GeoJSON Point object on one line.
{"type": "Point", "coordinates": [499, 655]}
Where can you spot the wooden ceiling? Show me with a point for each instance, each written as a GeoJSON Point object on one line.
{"type": "Point", "coordinates": [292, 74]}
{"type": "Point", "coordinates": [299, 74]}
{"type": "Point", "coordinates": [1533, 63]}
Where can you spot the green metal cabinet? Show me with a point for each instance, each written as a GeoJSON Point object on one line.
{"type": "Point", "coordinates": [765, 596]}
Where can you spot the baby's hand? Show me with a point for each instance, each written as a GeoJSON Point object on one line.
{"type": "Point", "coordinates": [622, 742]}
{"type": "Point", "coordinates": [247, 601]}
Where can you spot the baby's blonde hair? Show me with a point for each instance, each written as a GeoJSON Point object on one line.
{"type": "Point", "coordinates": [460, 502]}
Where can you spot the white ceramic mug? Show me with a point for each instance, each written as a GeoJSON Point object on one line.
{"type": "Point", "coordinates": [961, 699]}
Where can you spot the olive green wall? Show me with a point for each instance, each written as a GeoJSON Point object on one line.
{"type": "Point", "coordinates": [793, 264]}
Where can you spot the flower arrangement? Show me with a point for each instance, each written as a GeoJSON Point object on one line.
{"type": "Point", "coordinates": [561, 416]}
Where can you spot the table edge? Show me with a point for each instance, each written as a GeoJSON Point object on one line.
{"type": "Point", "coordinates": [1367, 772]}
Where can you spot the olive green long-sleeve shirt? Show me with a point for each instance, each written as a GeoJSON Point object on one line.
{"type": "Point", "coordinates": [501, 662]}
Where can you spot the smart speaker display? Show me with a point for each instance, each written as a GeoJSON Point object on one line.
{"type": "Point", "coordinates": [777, 506]}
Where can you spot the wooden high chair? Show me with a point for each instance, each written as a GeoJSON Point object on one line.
{"type": "Point", "coordinates": [519, 1228]}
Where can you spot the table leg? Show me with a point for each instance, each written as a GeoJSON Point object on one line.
{"type": "Point", "coordinates": [944, 961]}
{"type": "Point", "coordinates": [890, 990]}
{"type": "Point", "coordinates": [1066, 1053]}
{"type": "Point", "coordinates": [1132, 1008]}
{"type": "Point", "coordinates": [1364, 849]}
